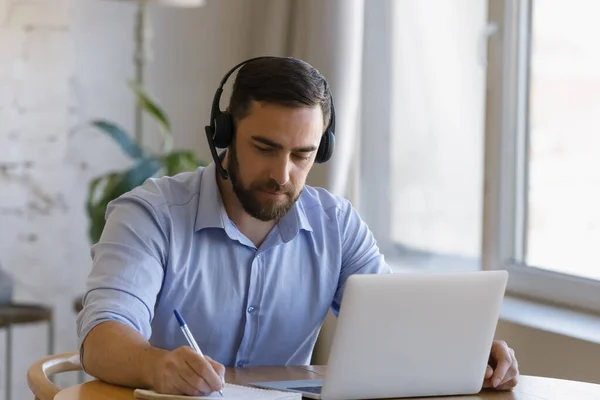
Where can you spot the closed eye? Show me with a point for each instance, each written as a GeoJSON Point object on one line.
{"type": "Point", "coordinates": [301, 157]}
{"type": "Point", "coordinates": [264, 149]}
{"type": "Point", "coordinates": [298, 156]}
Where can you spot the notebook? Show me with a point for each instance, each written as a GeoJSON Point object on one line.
{"type": "Point", "coordinates": [230, 392]}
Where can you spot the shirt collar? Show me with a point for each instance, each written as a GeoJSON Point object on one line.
{"type": "Point", "coordinates": [293, 221]}
{"type": "Point", "coordinates": [211, 212]}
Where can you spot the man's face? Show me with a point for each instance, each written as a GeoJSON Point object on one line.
{"type": "Point", "coordinates": [273, 150]}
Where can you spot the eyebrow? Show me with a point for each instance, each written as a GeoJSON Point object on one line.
{"type": "Point", "coordinates": [304, 149]}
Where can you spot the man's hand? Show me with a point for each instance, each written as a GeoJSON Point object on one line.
{"type": "Point", "coordinates": [503, 370]}
{"type": "Point", "coordinates": [183, 371]}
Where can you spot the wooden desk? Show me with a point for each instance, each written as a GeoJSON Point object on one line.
{"type": "Point", "coordinates": [529, 388]}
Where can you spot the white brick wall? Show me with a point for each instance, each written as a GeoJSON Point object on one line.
{"type": "Point", "coordinates": [23, 14]}
{"type": "Point", "coordinates": [43, 241]}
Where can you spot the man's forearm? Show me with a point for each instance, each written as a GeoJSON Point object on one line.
{"type": "Point", "coordinates": [115, 353]}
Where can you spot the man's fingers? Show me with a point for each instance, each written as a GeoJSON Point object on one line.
{"type": "Point", "coordinates": [218, 367]}
{"type": "Point", "coordinates": [500, 372]}
{"type": "Point", "coordinates": [510, 384]}
{"type": "Point", "coordinates": [488, 372]}
{"type": "Point", "coordinates": [512, 374]}
{"type": "Point", "coordinates": [487, 383]}
{"type": "Point", "coordinates": [183, 387]}
{"type": "Point", "coordinates": [197, 382]}
{"type": "Point", "coordinates": [503, 366]}
{"type": "Point", "coordinates": [504, 360]}
{"type": "Point", "coordinates": [203, 368]}
{"type": "Point", "coordinates": [515, 363]}
{"type": "Point", "coordinates": [510, 380]}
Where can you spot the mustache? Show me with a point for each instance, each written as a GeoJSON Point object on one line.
{"type": "Point", "coordinates": [274, 187]}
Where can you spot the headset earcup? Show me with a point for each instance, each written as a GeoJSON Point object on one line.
{"type": "Point", "coordinates": [326, 146]}
{"type": "Point", "coordinates": [224, 130]}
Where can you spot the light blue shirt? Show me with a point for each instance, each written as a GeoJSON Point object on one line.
{"type": "Point", "coordinates": [170, 244]}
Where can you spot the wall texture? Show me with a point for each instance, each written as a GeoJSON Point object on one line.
{"type": "Point", "coordinates": [549, 354]}
{"type": "Point", "coordinates": [42, 225]}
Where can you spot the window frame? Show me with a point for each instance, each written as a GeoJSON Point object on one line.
{"type": "Point", "coordinates": [506, 174]}
{"type": "Point", "coordinates": [374, 199]}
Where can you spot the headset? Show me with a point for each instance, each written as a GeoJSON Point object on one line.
{"type": "Point", "coordinates": [221, 130]}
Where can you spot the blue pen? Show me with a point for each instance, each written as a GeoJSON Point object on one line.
{"type": "Point", "coordinates": [189, 337]}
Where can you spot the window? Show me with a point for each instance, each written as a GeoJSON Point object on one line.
{"type": "Point", "coordinates": [422, 181]}
{"type": "Point", "coordinates": [563, 226]}
{"type": "Point", "coordinates": [481, 143]}
{"type": "Point", "coordinates": [542, 220]}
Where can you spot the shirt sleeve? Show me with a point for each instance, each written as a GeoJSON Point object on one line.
{"type": "Point", "coordinates": [360, 253]}
{"type": "Point", "coordinates": [127, 268]}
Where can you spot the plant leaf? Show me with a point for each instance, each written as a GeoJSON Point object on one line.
{"type": "Point", "coordinates": [115, 185]}
{"type": "Point", "coordinates": [180, 161]}
{"type": "Point", "coordinates": [128, 145]}
{"type": "Point", "coordinates": [151, 106]}
{"type": "Point", "coordinates": [96, 211]}
{"type": "Point", "coordinates": [93, 189]}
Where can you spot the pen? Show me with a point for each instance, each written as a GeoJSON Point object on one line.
{"type": "Point", "coordinates": [189, 337]}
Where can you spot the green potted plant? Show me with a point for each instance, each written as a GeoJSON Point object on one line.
{"type": "Point", "coordinates": [146, 164]}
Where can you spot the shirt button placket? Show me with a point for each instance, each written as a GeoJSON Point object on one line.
{"type": "Point", "coordinates": [255, 287]}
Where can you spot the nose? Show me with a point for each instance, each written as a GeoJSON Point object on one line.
{"type": "Point", "coordinates": [280, 172]}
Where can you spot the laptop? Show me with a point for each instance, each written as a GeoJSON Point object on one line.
{"type": "Point", "coordinates": [409, 335]}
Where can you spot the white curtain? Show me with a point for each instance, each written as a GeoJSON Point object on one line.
{"type": "Point", "coordinates": [329, 35]}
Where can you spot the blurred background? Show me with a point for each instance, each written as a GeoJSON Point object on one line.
{"type": "Point", "coordinates": [468, 135]}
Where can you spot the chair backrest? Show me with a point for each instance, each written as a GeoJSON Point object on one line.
{"type": "Point", "coordinates": [38, 375]}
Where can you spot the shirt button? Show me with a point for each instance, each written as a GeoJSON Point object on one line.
{"type": "Point", "coordinates": [251, 309]}
{"type": "Point", "coordinates": [240, 363]}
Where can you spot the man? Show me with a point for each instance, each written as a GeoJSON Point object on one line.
{"type": "Point", "coordinates": [253, 262]}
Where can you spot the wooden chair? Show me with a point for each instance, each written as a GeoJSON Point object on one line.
{"type": "Point", "coordinates": [38, 375]}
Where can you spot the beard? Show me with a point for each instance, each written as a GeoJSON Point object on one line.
{"type": "Point", "coordinates": [266, 210]}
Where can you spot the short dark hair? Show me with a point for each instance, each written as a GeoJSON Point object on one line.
{"type": "Point", "coordinates": [284, 81]}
